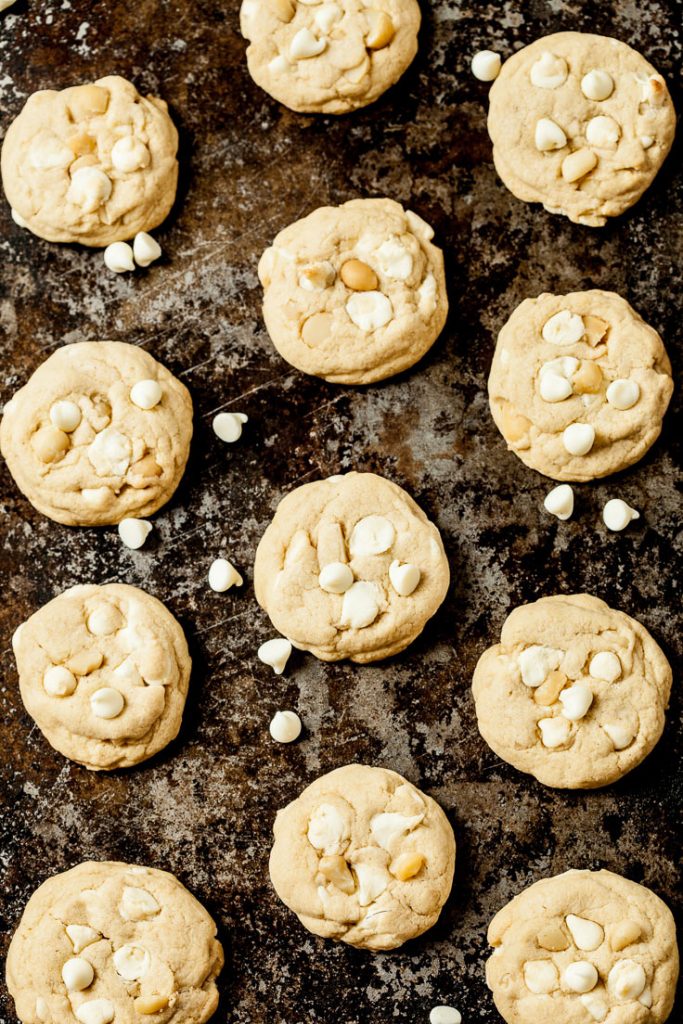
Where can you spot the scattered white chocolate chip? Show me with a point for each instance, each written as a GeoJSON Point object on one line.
{"type": "Point", "coordinates": [137, 904]}
{"type": "Point", "coordinates": [587, 935]}
{"type": "Point", "coordinates": [317, 276]}
{"type": "Point", "coordinates": [605, 665]}
{"type": "Point", "coordinates": [223, 575]}
{"type": "Point", "coordinates": [540, 976]}
{"type": "Point", "coordinates": [305, 45]}
{"type": "Point", "coordinates": [652, 89]}
{"type": "Point", "coordinates": [369, 310]}
{"type": "Point", "coordinates": [578, 438]}
{"type": "Point", "coordinates": [285, 726]}
{"type": "Point", "coordinates": [394, 260]}
{"type": "Point", "coordinates": [107, 702]}
{"type": "Point", "coordinates": [145, 249]}
{"type": "Point", "coordinates": [626, 980]}
{"type": "Point", "coordinates": [16, 216]}
{"type": "Point", "coordinates": [134, 532]}
{"type": "Point", "coordinates": [623, 393]}
{"type": "Point", "coordinates": [554, 731]}
{"type": "Point", "coordinates": [95, 1011]}
{"type": "Point", "coordinates": [77, 974]}
{"type": "Point", "coordinates": [90, 188]}
{"type": "Point", "coordinates": [104, 620]}
{"type": "Point", "coordinates": [581, 976]}
{"type": "Point", "coordinates": [328, 15]}
{"type": "Point", "coordinates": [146, 394]}
{"type": "Point", "coordinates": [646, 142]}
{"type": "Point", "coordinates": [279, 65]}
{"type": "Point", "coordinates": [81, 935]}
{"type": "Point", "coordinates": [596, 1006]}
{"type": "Point", "coordinates": [372, 535]}
{"type": "Point", "coordinates": [404, 577]}
{"type": "Point", "coordinates": [275, 653]}
{"type": "Point", "coordinates": [65, 415]}
{"type": "Point", "coordinates": [603, 132]}
{"type": "Point", "coordinates": [426, 297]}
{"type": "Point", "coordinates": [48, 152]}
{"type": "Point", "coordinates": [42, 1009]}
{"type": "Point", "coordinates": [549, 71]}
{"type": "Point", "coordinates": [486, 65]}
{"type": "Point", "coordinates": [548, 135]}
{"type": "Point", "coordinates": [646, 998]}
{"type": "Point", "coordinates": [372, 881]}
{"type": "Point", "coordinates": [617, 514]}
{"type": "Point", "coordinates": [444, 1015]}
{"type": "Point", "coordinates": [131, 962]}
{"type": "Point", "coordinates": [576, 700]}
{"type": "Point", "coordinates": [554, 388]}
{"type": "Point", "coordinates": [560, 501]}
{"type": "Point", "coordinates": [59, 682]}
{"type": "Point", "coordinates": [327, 830]}
{"type": "Point", "coordinates": [621, 735]}
{"type": "Point", "coordinates": [564, 328]}
{"type": "Point", "coordinates": [335, 578]}
{"type": "Point", "coordinates": [129, 154]}
{"type": "Point", "coordinates": [537, 662]}
{"type": "Point", "coordinates": [118, 257]}
{"type": "Point", "coordinates": [386, 828]}
{"type": "Point", "coordinates": [110, 453]}
{"type": "Point", "coordinates": [597, 85]}
{"type": "Point", "coordinates": [360, 606]}
{"type": "Point", "coordinates": [228, 425]}
{"type": "Point", "coordinates": [624, 934]}
{"type": "Point", "coordinates": [419, 226]}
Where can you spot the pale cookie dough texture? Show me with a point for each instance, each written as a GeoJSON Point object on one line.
{"type": "Point", "coordinates": [93, 164]}
{"type": "Point", "coordinates": [354, 293]}
{"type": "Point", "coordinates": [104, 673]}
{"type": "Point", "coordinates": [363, 856]}
{"type": "Point", "coordinates": [581, 123]}
{"type": "Point", "coordinates": [575, 693]}
{"type": "Point", "coordinates": [580, 947]}
{"type": "Point", "coordinates": [350, 567]}
{"type": "Point", "coordinates": [110, 943]}
{"type": "Point", "coordinates": [101, 432]}
{"type": "Point", "coordinates": [329, 57]}
{"type": "Point", "coordinates": [579, 384]}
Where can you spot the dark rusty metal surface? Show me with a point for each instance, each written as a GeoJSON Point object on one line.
{"type": "Point", "coordinates": [204, 808]}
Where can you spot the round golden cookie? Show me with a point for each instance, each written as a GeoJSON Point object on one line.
{"type": "Point", "coordinates": [581, 947]}
{"type": "Point", "coordinates": [104, 673]}
{"type": "Point", "coordinates": [579, 384]}
{"type": "Point", "coordinates": [354, 293]}
{"type": "Point", "coordinates": [112, 943]}
{"type": "Point", "coordinates": [363, 856]}
{"type": "Point", "coordinates": [93, 164]}
{"type": "Point", "coordinates": [575, 693]}
{"type": "Point", "coordinates": [350, 567]}
{"type": "Point", "coordinates": [100, 432]}
{"type": "Point", "coordinates": [581, 123]}
{"type": "Point", "coordinates": [329, 57]}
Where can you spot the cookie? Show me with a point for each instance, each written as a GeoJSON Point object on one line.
{"type": "Point", "coordinates": [363, 856]}
{"type": "Point", "coordinates": [101, 432]}
{"type": "Point", "coordinates": [575, 693]}
{"type": "Point", "coordinates": [350, 567]}
{"type": "Point", "coordinates": [581, 123]}
{"type": "Point", "coordinates": [104, 673]}
{"type": "Point", "coordinates": [579, 384]}
{"type": "Point", "coordinates": [110, 942]}
{"type": "Point", "coordinates": [354, 293]}
{"type": "Point", "coordinates": [93, 164]}
{"type": "Point", "coordinates": [580, 947]}
{"type": "Point", "coordinates": [328, 57]}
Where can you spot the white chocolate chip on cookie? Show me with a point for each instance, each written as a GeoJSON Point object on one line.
{"type": "Point", "coordinates": [549, 136]}
{"type": "Point", "coordinates": [146, 394]}
{"type": "Point", "coordinates": [77, 974]}
{"type": "Point", "coordinates": [131, 962]}
{"type": "Point", "coordinates": [605, 665]}
{"type": "Point", "coordinates": [587, 935]}
{"type": "Point", "coordinates": [541, 977]}
{"type": "Point", "coordinates": [107, 702]}
{"type": "Point", "coordinates": [623, 394]}
{"type": "Point", "coordinates": [579, 438]}
{"type": "Point", "coordinates": [597, 85]}
{"type": "Point", "coordinates": [536, 662]}
{"type": "Point", "coordinates": [626, 980]}
{"type": "Point", "coordinates": [576, 701]}
{"type": "Point", "coordinates": [370, 310]}
{"type": "Point", "coordinates": [549, 71]}
{"type": "Point", "coordinates": [335, 578]}
{"type": "Point", "coordinates": [404, 577]}
{"type": "Point", "coordinates": [603, 132]}
{"type": "Point", "coordinates": [580, 976]}
{"type": "Point", "coordinates": [361, 605]}
{"type": "Point", "coordinates": [563, 328]}
{"type": "Point", "coordinates": [372, 535]}
{"type": "Point", "coordinates": [555, 732]}
{"type": "Point", "coordinates": [59, 681]}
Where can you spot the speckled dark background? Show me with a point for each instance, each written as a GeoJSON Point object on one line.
{"type": "Point", "coordinates": [204, 808]}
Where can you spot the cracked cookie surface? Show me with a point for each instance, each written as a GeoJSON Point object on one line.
{"type": "Point", "coordinates": [112, 942]}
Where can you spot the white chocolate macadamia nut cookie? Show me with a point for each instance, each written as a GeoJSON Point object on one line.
{"type": "Point", "coordinates": [104, 673]}
{"type": "Point", "coordinates": [354, 293]}
{"type": "Point", "coordinates": [581, 123]}
{"type": "Point", "coordinates": [575, 693]}
{"type": "Point", "coordinates": [350, 567]}
{"type": "Point", "coordinates": [580, 947]}
{"type": "Point", "coordinates": [579, 384]}
{"type": "Point", "coordinates": [329, 56]}
{"type": "Point", "coordinates": [101, 432]}
{"type": "Point", "coordinates": [363, 856]}
{"type": "Point", "coordinates": [110, 943]}
{"type": "Point", "coordinates": [93, 164]}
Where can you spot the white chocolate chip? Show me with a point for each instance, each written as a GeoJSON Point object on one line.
{"type": "Point", "coordinates": [145, 249]}
{"type": "Point", "coordinates": [131, 962]}
{"type": "Point", "coordinates": [486, 65]}
{"type": "Point", "coordinates": [580, 976]}
{"type": "Point", "coordinates": [110, 453]}
{"type": "Point", "coordinates": [275, 653]}
{"type": "Point", "coordinates": [626, 980]}
{"type": "Point", "coordinates": [279, 65]}
{"type": "Point", "coordinates": [316, 277]}
{"type": "Point", "coordinates": [373, 879]}
{"type": "Point", "coordinates": [386, 828]}
{"type": "Point", "coordinates": [372, 535]}
{"type": "Point", "coordinates": [81, 935]}
{"type": "Point", "coordinates": [549, 71]}
{"type": "Point", "coordinates": [129, 154]}
{"type": "Point", "coordinates": [597, 85]}
{"type": "Point", "coordinates": [419, 226]}
{"type": "Point", "coordinates": [603, 132]}
{"type": "Point", "coordinates": [18, 219]}
{"type": "Point", "coordinates": [90, 188]}
{"type": "Point", "coordinates": [596, 1006]}
{"type": "Point", "coordinates": [622, 736]}
{"type": "Point", "coordinates": [646, 998]}
{"type": "Point", "coordinates": [564, 328]}
{"type": "Point", "coordinates": [137, 904]}
{"type": "Point", "coordinates": [65, 415]}
{"type": "Point", "coordinates": [646, 142]}
{"type": "Point", "coordinates": [617, 514]}
{"type": "Point", "coordinates": [605, 665]}
{"type": "Point", "coordinates": [369, 310]}
{"type": "Point", "coordinates": [77, 974]}
{"type": "Point", "coordinates": [118, 257]}
{"type": "Point", "coordinates": [95, 1011]}
{"type": "Point", "coordinates": [562, 366]}
{"type": "Point", "coordinates": [223, 575]}
{"type": "Point", "coordinates": [554, 388]}
{"type": "Point", "coordinates": [554, 731]}
{"type": "Point", "coordinates": [335, 578]}
{"type": "Point", "coordinates": [228, 425]}
{"type": "Point", "coordinates": [652, 89]}
{"type": "Point", "coordinates": [537, 662]}
{"type": "Point", "coordinates": [587, 935]}
{"type": "Point", "coordinates": [404, 577]}
{"type": "Point", "coordinates": [146, 394]}
{"type": "Point", "coordinates": [444, 1015]}
{"type": "Point", "coordinates": [394, 260]}
{"type": "Point", "coordinates": [548, 135]}
{"type": "Point", "coordinates": [327, 830]}
{"type": "Point", "coordinates": [361, 605]}
{"type": "Point", "coordinates": [540, 976]}
{"type": "Point", "coordinates": [134, 532]}
{"type": "Point", "coordinates": [48, 152]}
{"type": "Point", "coordinates": [285, 726]}
{"type": "Point", "coordinates": [623, 393]}
{"type": "Point", "coordinates": [107, 702]}
{"type": "Point", "coordinates": [59, 682]}
{"type": "Point", "coordinates": [104, 620]}
{"type": "Point", "coordinates": [42, 1009]}
{"type": "Point", "coordinates": [576, 700]}
{"type": "Point", "coordinates": [327, 16]}
{"type": "Point", "coordinates": [426, 297]}
{"type": "Point", "coordinates": [578, 438]}
{"type": "Point", "coordinates": [305, 45]}
{"type": "Point", "coordinates": [97, 497]}
{"type": "Point", "coordinates": [560, 501]}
